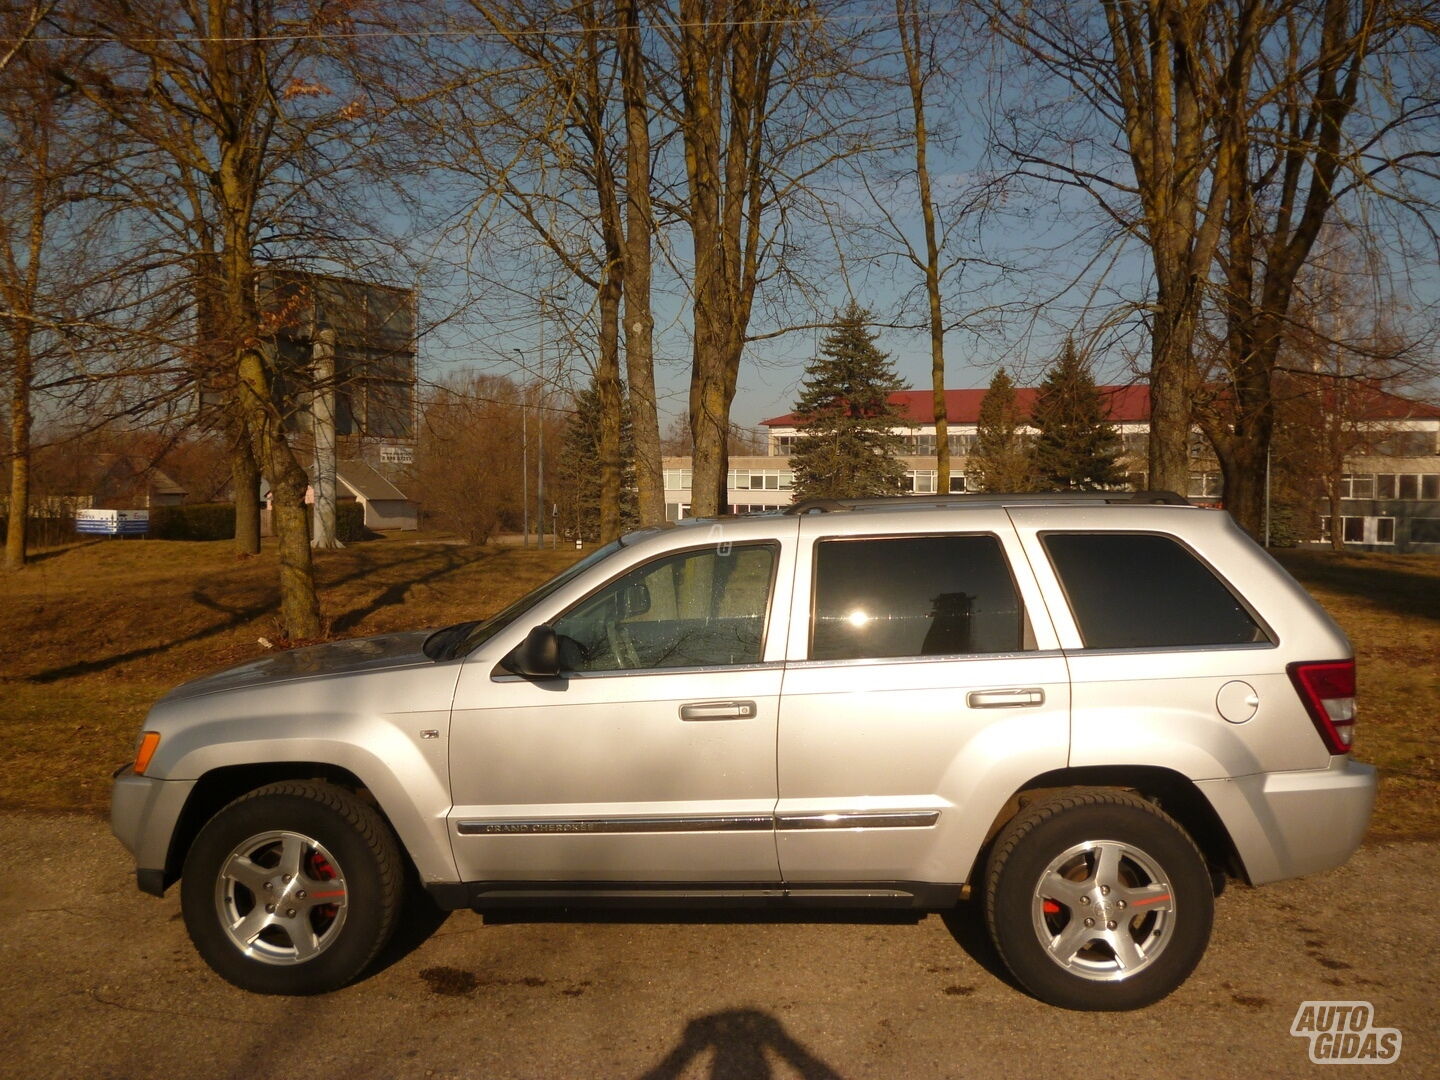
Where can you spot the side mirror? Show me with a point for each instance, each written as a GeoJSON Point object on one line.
{"type": "Point", "coordinates": [537, 657]}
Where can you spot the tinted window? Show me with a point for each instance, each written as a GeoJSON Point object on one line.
{"type": "Point", "coordinates": [693, 609]}
{"type": "Point", "coordinates": [1139, 590]}
{"type": "Point", "coordinates": [913, 596]}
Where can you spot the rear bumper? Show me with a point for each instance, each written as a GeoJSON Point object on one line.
{"type": "Point", "coordinates": [1288, 824]}
{"type": "Point", "coordinates": [143, 815]}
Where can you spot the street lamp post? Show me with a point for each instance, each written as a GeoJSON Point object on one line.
{"type": "Point", "coordinates": [550, 297]}
{"type": "Point", "coordinates": [524, 462]}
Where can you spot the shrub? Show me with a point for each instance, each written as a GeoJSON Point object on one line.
{"type": "Point", "coordinates": [196, 521]}
{"type": "Point", "coordinates": [350, 523]}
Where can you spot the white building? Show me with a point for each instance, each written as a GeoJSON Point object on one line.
{"type": "Point", "coordinates": [1392, 487]}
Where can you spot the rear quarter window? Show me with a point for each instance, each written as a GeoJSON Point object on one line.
{"type": "Point", "coordinates": [1144, 590]}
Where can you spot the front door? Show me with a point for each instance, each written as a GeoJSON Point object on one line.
{"type": "Point", "coordinates": [652, 758]}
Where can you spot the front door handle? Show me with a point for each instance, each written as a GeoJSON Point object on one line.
{"type": "Point", "coordinates": [1004, 699]}
{"type": "Point", "coordinates": [718, 710]}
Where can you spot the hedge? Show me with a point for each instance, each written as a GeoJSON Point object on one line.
{"type": "Point", "coordinates": [193, 521]}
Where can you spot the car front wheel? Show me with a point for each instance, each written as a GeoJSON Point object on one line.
{"type": "Point", "coordinates": [1098, 901]}
{"type": "Point", "coordinates": [292, 889]}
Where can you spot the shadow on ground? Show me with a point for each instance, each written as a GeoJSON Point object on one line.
{"type": "Point", "coordinates": [1385, 581]}
{"type": "Point", "coordinates": [740, 1044]}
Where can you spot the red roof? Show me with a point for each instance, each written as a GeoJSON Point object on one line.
{"type": "Point", "coordinates": [1128, 404]}
{"type": "Point", "coordinates": [1376, 404]}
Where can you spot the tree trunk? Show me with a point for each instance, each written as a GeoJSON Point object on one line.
{"type": "Point", "coordinates": [290, 522]}
{"type": "Point", "coordinates": [639, 317]}
{"type": "Point", "coordinates": [18, 524]}
{"type": "Point", "coordinates": [908, 18]}
{"type": "Point", "coordinates": [1171, 379]}
{"type": "Point", "coordinates": [612, 406]}
{"type": "Point", "coordinates": [245, 485]}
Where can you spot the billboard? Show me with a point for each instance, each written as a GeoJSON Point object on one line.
{"type": "Point", "coordinates": [373, 328]}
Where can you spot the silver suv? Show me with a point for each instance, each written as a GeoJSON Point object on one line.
{"type": "Point", "coordinates": [1088, 710]}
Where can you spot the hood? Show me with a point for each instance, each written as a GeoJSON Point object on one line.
{"type": "Point", "coordinates": [357, 655]}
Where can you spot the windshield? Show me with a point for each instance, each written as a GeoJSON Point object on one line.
{"type": "Point", "coordinates": [464, 637]}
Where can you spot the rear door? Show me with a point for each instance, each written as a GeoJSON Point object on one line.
{"type": "Point", "coordinates": [924, 684]}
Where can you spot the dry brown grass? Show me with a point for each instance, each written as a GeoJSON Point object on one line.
{"type": "Point", "coordinates": [1390, 607]}
{"type": "Point", "coordinates": [95, 632]}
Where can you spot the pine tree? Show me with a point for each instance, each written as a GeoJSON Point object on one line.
{"type": "Point", "coordinates": [847, 447]}
{"type": "Point", "coordinates": [577, 484]}
{"type": "Point", "coordinates": [1000, 460]}
{"type": "Point", "coordinates": [1076, 448]}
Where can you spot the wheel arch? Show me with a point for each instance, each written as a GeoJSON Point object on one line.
{"type": "Point", "coordinates": [221, 786]}
{"type": "Point", "coordinates": [1172, 791]}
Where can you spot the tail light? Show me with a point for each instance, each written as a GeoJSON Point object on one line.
{"type": "Point", "coordinates": [1328, 690]}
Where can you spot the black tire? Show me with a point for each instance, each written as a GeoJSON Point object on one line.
{"type": "Point", "coordinates": [292, 889]}
{"type": "Point", "coordinates": [1100, 856]}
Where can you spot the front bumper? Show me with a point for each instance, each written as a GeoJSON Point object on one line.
{"type": "Point", "coordinates": [143, 815]}
{"type": "Point", "coordinates": [1288, 824]}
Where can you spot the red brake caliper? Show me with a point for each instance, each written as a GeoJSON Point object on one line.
{"type": "Point", "coordinates": [321, 870]}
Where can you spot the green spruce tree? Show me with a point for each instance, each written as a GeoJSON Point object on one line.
{"type": "Point", "coordinates": [847, 447]}
{"type": "Point", "coordinates": [1076, 448]}
{"type": "Point", "coordinates": [577, 478]}
{"type": "Point", "coordinates": [1000, 460]}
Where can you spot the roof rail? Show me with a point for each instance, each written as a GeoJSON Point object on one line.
{"type": "Point", "coordinates": [1051, 498]}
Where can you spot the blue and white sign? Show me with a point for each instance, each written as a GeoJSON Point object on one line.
{"type": "Point", "coordinates": [112, 522]}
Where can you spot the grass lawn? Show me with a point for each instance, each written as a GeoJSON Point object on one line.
{"type": "Point", "coordinates": [95, 632]}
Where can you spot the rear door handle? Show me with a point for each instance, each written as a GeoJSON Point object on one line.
{"type": "Point", "coordinates": [1004, 699]}
{"type": "Point", "coordinates": [718, 710]}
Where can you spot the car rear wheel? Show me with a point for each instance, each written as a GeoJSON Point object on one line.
{"type": "Point", "coordinates": [292, 889]}
{"type": "Point", "coordinates": [1098, 901]}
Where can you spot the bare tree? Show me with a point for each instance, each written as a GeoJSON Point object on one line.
{"type": "Point", "coordinates": [764, 101]}
{"type": "Point", "coordinates": [235, 137]}
{"type": "Point", "coordinates": [468, 472]}
{"type": "Point", "coordinates": [639, 267]}
{"type": "Point", "coordinates": [919, 39]}
{"type": "Point", "coordinates": [1239, 129]}
{"type": "Point", "coordinates": [49, 243]}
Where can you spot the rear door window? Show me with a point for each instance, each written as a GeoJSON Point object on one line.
{"type": "Point", "coordinates": [913, 596]}
{"type": "Point", "coordinates": [1144, 590]}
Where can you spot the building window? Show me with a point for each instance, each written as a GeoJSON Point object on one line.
{"type": "Point", "coordinates": [782, 445]}
{"type": "Point", "coordinates": [1408, 486]}
{"type": "Point", "coordinates": [958, 484]}
{"type": "Point", "coordinates": [1385, 486]}
{"type": "Point", "coordinates": [1357, 486]}
{"type": "Point", "coordinates": [678, 479]}
{"type": "Point", "coordinates": [1430, 486]}
{"type": "Point", "coordinates": [922, 481]}
{"type": "Point", "coordinates": [1361, 530]}
{"type": "Point", "coordinates": [1206, 485]}
{"type": "Point", "coordinates": [761, 480]}
{"type": "Point", "coordinates": [961, 444]}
